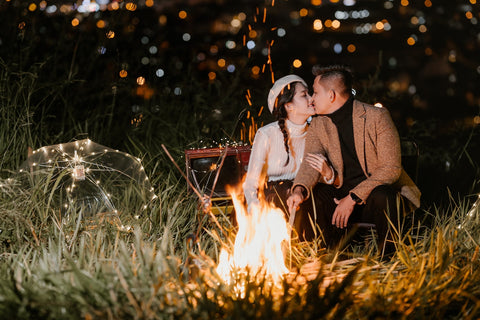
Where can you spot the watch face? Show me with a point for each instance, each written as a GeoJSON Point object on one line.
{"type": "Point", "coordinates": [355, 198]}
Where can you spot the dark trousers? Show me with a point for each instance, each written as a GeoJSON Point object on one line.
{"type": "Point", "coordinates": [382, 208]}
{"type": "Point", "coordinates": [277, 192]}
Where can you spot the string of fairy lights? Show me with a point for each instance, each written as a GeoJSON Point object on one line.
{"type": "Point", "coordinates": [84, 164]}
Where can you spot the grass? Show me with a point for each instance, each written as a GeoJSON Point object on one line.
{"type": "Point", "coordinates": [160, 265]}
{"type": "Point", "coordinates": [51, 270]}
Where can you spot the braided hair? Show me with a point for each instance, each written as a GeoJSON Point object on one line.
{"type": "Point", "coordinates": [280, 112]}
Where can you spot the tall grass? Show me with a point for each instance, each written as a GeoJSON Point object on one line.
{"type": "Point", "coordinates": [62, 269]}
{"type": "Point", "coordinates": [16, 132]}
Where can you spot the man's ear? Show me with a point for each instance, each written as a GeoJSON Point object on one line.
{"type": "Point", "coordinates": [332, 95]}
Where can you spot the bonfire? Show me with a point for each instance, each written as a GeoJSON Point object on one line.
{"type": "Point", "coordinates": [262, 236]}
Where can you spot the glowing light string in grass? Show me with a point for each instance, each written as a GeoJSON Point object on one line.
{"type": "Point", "coordinates": [84, 175]}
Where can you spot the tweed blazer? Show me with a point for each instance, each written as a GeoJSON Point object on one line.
{"type": "Point", "coordinates": [378, 149]}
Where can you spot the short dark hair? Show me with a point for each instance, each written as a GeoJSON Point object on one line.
{"type": "Point", "coordinates": [340, 74]}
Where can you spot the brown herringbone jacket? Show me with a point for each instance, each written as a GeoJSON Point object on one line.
{"type": "Point", "coordinates": [378, 150]}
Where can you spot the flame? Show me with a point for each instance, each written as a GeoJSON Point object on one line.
{"type": "Point", "coordinates": [259, 243]}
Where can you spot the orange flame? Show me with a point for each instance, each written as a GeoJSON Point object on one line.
{"type": "Point", "coordinates": [259, 243]}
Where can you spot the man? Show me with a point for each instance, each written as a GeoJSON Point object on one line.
{"type": "Point", "coordinates": [361, 144]}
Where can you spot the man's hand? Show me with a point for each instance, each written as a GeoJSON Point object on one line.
{"type": "Point", "coordinates": [295, 199]}
{"type": "Point", "coordinates": [343, 211]}
{"type": "Point", "coordinates": [320, 163]}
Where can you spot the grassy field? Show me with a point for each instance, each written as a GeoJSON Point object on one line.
{"type": "Point", "coordinates": [161, 264]}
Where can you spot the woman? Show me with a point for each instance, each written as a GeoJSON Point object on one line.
{"type": "Point", "coordinates": [277, 150]}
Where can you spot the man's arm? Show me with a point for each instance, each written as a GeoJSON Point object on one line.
{"type": "Point", "coordinates": [307, 176]}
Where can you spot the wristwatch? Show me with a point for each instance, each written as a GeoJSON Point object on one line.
{"type": "Point", "coordinates": [355, 198]}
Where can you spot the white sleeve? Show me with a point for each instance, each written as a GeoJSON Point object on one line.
{"type": "Point", "coordinates": [254, 178]}
{"type": "Point", "coordinates": [332, 179]}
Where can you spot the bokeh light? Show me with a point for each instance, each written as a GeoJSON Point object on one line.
{"type": "Point", "coordinates": [213, 49]}
{"type": "Point", "coordinates": [230, 44]}
{"type": "Point", "coordinates": [113, 6]}
{"type": "Point", "coordinates": [159, 73]}
{"type": "Point", "coordinates": [236, 23]}
{"type": "Point", "coordinates": [130, 6]}
{"type": "Point", "coordinates": [317, 24]}
{"type": "Point", "coordinates": [255, 70]}
{"type": "Point", "coordinates": [337, 48]}
{"type": "Point", "coordinates": [162, 19]}
{"type": "Point", "coordinates": [412, 40]}
{"type": "Point", "coordinates": [100, 24]}
{"type": "Point", "coordinates": [182, 14]}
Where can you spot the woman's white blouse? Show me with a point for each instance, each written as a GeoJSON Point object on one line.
{"type": "Point", "coordinates": [268, 157]}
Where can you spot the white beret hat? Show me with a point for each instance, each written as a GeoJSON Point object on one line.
{"type": "Point", "coordinates": [278, 87]}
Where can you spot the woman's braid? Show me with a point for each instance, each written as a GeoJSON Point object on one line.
{"type": "Point", "coordinates": [280, 113]}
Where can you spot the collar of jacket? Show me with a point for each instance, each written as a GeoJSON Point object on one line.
{"type": "Point", "coordinates": [360, 135]}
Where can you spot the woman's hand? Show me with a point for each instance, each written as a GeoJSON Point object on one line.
{"type": "Point", "coordinates": [320, 163]}
{"type": "Point", "coordinates": [294, 200]}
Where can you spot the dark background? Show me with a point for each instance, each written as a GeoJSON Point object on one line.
{"type": "Point", "coordinates": [431, 86]}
